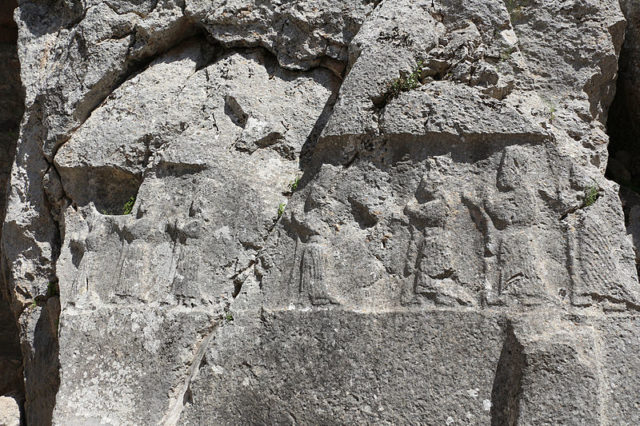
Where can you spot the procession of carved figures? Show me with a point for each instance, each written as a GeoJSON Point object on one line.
{"type": "Point", "coordinates": [493, 244]}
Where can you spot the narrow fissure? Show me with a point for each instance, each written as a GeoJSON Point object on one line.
{"type": "Point", "coordinates": [623, 127]}
{"type": "Point", "coordinates": [11, 110]}
{"type": "Point", "coordinates": [507, 384]}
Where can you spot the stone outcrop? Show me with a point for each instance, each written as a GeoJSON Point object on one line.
{"type": "Point", "coordinates": [9, 411]}
{"type": "Point", "coordinates": [321, 212]}
{"type": "Point", "coordinates": [11, 108]}
{"type": "Point", "coordinates": [623, 126]}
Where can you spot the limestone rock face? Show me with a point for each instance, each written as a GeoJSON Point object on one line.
{"type": "Point", "coordinates": [308, 212]}
{"type": "Point", "coordinates": [11, 109]}
{"type": "Point", "coordinates": [9, 412]}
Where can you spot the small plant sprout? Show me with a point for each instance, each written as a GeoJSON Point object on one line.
{"type": "Point", "coordinates": [551, 108]}
{"type": "Point", "coordinates": [404, 83]}
{"type": "Point", "coordinates": [34, 304]}
{"type": "Point", "coordinates": [591, 194]}
{"type": "Point", "coordinates": [228, 317]}
{"type": "Point", "coordinates": [128, 206]}
{"type": "Point", "coordinates": [281, 208]}
{"type": "Point", "coordinates": [294, 185]}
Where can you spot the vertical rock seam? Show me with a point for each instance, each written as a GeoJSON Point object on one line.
{"type": "Point", "coordinates": [507, 383]}
{"type": "Point", "coordinates": [623, 125]}
{"type": "Point", "coordinates": [183, 394]}
{"type": "Point", "coordinates": [11, 108]}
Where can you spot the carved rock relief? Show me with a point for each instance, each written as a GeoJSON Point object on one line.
{"type": "Point", "coordinates": [486, 233]}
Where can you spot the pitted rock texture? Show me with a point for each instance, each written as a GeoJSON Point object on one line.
{"type": "Point", "coordinates": [321, 212]}
{"type": "Point", "coordinates": [9, 412]}
{"type": "Point", "coordinates": [623, 165]}
{"type": "Point", "coordinates": [11, 109]}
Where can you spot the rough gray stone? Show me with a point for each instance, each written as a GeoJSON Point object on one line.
{"type": "Point", "coordinates": [350, 367]}
{"type": "Point", "coordinates": [301, 34]}
{"type": "Point", "coordinates": [9, 411]}
{"type": "Point", "coordinates": [320, 212]}
{"type": "Point", "coordinates": [11, 109]}
{"type": "Point", "coordinates": [206, 143]}
{"type": "Point", "coordinates": [119, 391]}
{"type": "Point", "coordinates": [623, 122]}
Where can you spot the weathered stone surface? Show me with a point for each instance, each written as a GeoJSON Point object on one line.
{"type": "Point", "coordinates": [217, 138]}
{"type": "Point", "coordinates": [350, 367]}
{"type": "Point", "coordinates": [619, 340]}
{"type": "Point", "coordinates": [119, 391]}
{"type": "Point", "coordinates": [321, 212]}
{"type": "Point", "coordinates": [9, 412]}
{"type": "Point", "coordinates": [301, 34]}
{"type": "Point", "coordinates": [623, 127]}
{"type": "Point", "coordinates": [11, 109]}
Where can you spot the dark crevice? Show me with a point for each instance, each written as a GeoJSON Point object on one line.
{"type": "Point", "coordinates": [42, 370]}
{"type": "Point", "coordinates": [235, 112]}
{"type": "Point", "coordinates": [507, 383]}
{"type": "Point", "coordinates": [308, 148]}
{"type": "Point", "coordinates": [306, 163]}
{"type": "Point", "coordinates": [623, 126]}
{"type": "Point", "coordinates": [240, 277]}
{"type": "Point", "coordinates": [11, 111]}
{"type": "Point", "coordinates": [629, 306]}
{"type": "Point", "coordinates": [362, 214]}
